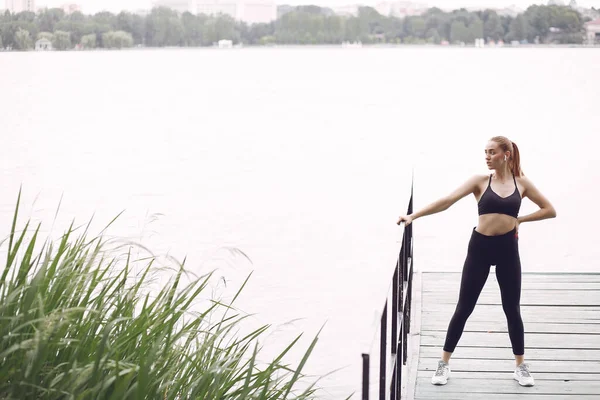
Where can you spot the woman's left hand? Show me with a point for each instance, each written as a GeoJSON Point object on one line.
{"type": "Point", "coordinates": [517, 227]}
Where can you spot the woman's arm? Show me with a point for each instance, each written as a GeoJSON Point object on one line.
{"type": "Point", "coordinates": [546, 209]}
{"type": "Point", "coordinates": [470, 186]}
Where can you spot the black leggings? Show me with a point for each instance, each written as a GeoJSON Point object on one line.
{"type": "Point", "coordinates": [484, 251]}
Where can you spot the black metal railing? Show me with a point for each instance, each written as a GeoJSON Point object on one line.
{"type": "Point", "coordinates": [390, 379]}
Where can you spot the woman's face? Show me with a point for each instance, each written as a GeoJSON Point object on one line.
{"type": "Point", "coordinates": [494, 155]}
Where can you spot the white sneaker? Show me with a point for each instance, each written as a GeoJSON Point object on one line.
{"type": "Point", "coordinates": [523, 376]}
{"type": "Point", "coordinates": [442, 373]}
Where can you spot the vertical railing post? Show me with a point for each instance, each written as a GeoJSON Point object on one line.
{"type": "Point", "coordinates": [401, 275]}
{"type": "Point", "coordinates": [404, 337]}
{"type": "Point", "coordinates": [405, 254]}
{"type": "Point", "coordinates": [410, 233]}
{"type": "Point", "coordinates": [396, 300]}
{"type": "Point", "coordinates": [383, 353]}
{"type": "Point", "coordinates": [399, 373]}
{"type": "Point", "coordinates": [394, 381]}
{"type": "Point", "coordinates": [408, 243]}
{"type": "Point", "coordinates": [408, 304]}
{"type": "Point", "coordinates": [365, 377]}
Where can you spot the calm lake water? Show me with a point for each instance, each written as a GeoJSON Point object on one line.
{"type": "Point", "coordinates": [301, 158]}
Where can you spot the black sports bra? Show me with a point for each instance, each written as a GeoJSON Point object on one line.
{"type": "Point", "coordinates": [492, 203]}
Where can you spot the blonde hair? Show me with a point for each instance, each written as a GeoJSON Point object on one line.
{"type": "Point", "coordinates": [514, 162]}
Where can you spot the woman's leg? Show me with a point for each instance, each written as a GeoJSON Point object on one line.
{"type": "Point", "coordinates": [475, 272]}
{"type": "Point", "coordinates": [474, 275]}
{"type": "Point", "coordinates": [509, 280]}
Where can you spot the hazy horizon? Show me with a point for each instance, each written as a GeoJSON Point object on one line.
{"type": "Point", "coordinates": [92, 6]}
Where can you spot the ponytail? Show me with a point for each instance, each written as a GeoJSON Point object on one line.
{"type": "Point", "coordinates": [515, 164]}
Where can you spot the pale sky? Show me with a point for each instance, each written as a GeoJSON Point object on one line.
{"type": "Point", "coordinates": [91, 6]}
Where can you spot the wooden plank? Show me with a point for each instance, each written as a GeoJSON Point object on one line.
{"type": "Point", "coordinates": [495, 353]}
{"type": "Point", "coordinates": [432, 276]}
{"type": "Point", "coordinates": [441, 324]}
{"type": "Point", "coordinates": [539, 376]}
{"type": "Point", "coordinates": [528, 317]}
{"type": "Point", "coordinates": [433, 286]}
{"type": "Point", "coordinates": [588, 298]}
{"type": "Point", "coordinates": [547, 299]}
{"type": "Point", "coordinates": [525, 277]}
{"type": "Point", "coordinates": [494, 312]}
{"type": "Point", "coordinates": [529, 284]}
{"type": "Point", "coordinates": [490, 289]}
{"type": "Point", "coordinates": [506, 365]}
{"type": "Point", "coordinates": [532, 340]}
{"type": "Point", "coordinates": [525, 285]}
{"type": "Point", "coordinates": [502, 396]}
{"type": "Point", "coordinates": [508, 386]}
{"type": "Point", "coordinates": [591, 311]}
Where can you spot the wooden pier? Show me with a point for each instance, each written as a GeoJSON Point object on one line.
{"type": "Point", "coordinates": [561, 314]}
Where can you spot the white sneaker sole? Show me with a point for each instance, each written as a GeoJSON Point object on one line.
{"type": "Point", "coordinates": [523, 384]}
{"type": "Point", "coordinates": [439, 383]}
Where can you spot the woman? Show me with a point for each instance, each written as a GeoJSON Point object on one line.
{"type": "Point", "coordinates": [494, 241]}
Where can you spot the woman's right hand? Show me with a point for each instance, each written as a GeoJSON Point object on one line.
{"type": "Point", "coordinates": [407, 219]}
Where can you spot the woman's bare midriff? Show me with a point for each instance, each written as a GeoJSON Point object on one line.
{"type": "Point", "coordinates": [495, 224]}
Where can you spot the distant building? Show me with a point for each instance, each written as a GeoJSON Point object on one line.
{"type": "Point", "coordinates": [346, 10]}
{"type": "Point", "coordinates": [43, 45]}
{"type": "Point", "coordinates": [177, 5]}
{"type": "Point", "coordinates": [590, 13]}
{"type": "Point", "coordinates": [592, 30]}
{"type": "Point", "coordinates": [71, 8]}
{"type": "Point", "coordinates": [258, 11]}
{"type": "Point", "coordinates": [511, 11]}
{"type": "Point", "coordinates": [400, 9]}
{"type": "Point", "coordinates": [17, 6]}
{"type": "Point", "coordinates": [225, 7]}
{"type": "Point", "coordinates": [225, 44]}
{"type": "Point", "coordinates": [250, 11]}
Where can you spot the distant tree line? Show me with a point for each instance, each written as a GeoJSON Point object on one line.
{"type": "Point", "coordinates": [294, 25]}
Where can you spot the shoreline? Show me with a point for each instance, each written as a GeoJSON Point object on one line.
{"type": "Point", "coordinates": [320, 46]}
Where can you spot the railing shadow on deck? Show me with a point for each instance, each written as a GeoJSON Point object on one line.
{"type": "Point", "coordinates": [394, 342]}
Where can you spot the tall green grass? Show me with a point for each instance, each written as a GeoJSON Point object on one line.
{"type": "Point", "coordinates": [75, 323]}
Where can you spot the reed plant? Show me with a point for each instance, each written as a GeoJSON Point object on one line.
{"type": "Point", "coordinates": [76, 323]}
